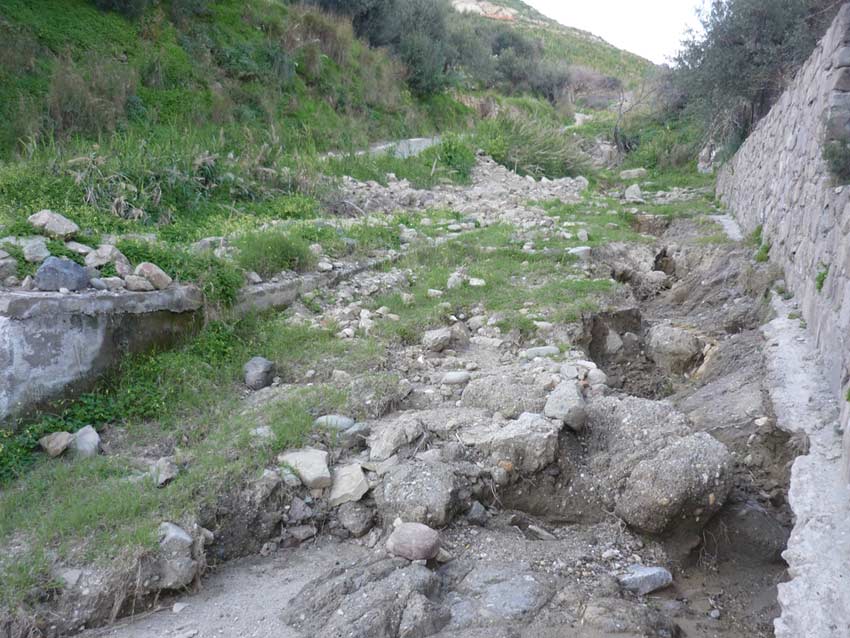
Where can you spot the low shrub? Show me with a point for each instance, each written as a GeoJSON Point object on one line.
{"type": "Point", "coordinates": [270, 252]}
{"type": "Point", "coordinates": [837, 157]}
{"type": "Point", "coordinates": [531, 147]}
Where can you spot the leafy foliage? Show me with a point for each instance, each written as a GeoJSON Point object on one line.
{"type": "Point", "coordinates": [731, 75]}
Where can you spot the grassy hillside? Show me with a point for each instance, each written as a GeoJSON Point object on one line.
{"type": "Point", "coordinates": [577, 47]}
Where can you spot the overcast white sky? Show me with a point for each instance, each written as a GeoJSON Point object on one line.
{"type": "Point", "coordinates": [651, 28]}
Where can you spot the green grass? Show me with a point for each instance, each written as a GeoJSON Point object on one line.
{"type": "Point", "coordinates": [271, 251]}
{"type": "Point", "coordinates": [763, 253]}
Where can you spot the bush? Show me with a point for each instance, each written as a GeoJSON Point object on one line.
{"type": "Point", "coordinates": [456, 155]}
{"type": "Point", "coordinates": [128, 8]}
{"type": "Point", "coordinates": [837, 157]}
{"type": "Point", "coordinates": [270, 252]}
{"type": "Point", "coordinates": [531, 147]}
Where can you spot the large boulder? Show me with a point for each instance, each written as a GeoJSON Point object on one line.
{"type": "Point", "coordinates": [566, 403]}
{"type": "Point", "coordinates": [158, 278]}
{"type": "Point", "coordinates": [682, 486]}
{"type": "Point", "coordinates": [510, 395]}
{"type": "Point", "coordinates": [673, 349]}
{"type": "Point", "coordinates": [387, 598]}
{"type": "Point", "coordinates": [53, 224]}
{"type": "Point", "coordinates": [56, 273]}
{"type": "Point", "coordinates": [420, 493]}
{"type": "Point", "coordinates": [528, 444]}
{"type": "Point", "coordinates": [414, 541]}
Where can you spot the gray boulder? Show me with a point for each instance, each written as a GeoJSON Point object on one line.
{"type": "Point", "coordinates": [674, 350]}
{"type": "Point", "coordinates": [682, 487]}
{"type": "Point", "coordinates": [634, 195]}
{"type": "Point", "coordinates": [418, 492]}
{"type": "Point", "coordinates": [311, 466]}
{"type": "Point", "coordinates": [357, 518]}
{"type": "Point", "coordinates": [86, 443]}
{"type": "Point", "coordinates": [259, 373]}
{"type": "Point", "coordinates": [414, 541]}
{"type": "Point", "coordinates": [528, 444]}
{"type": "Point", "coordinates": [58, 272]}
{"type": "Point", "coordinates": [567, 404]}
{"type": "Point", "coordinates": [176, 568]}
{"type": "Point", "coordinates": [53, 224]}
{"type": "Point", "coordinates": [645, 580]}
{"type": "Point", "coordinates": [509, 395]}
{"type": "Point", "coordinates": [633, 173]}
{"type": "Point", "coordinates": [437, 340]}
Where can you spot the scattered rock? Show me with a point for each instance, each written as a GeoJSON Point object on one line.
{"type": "Point", "coordinates": [474, 282]}
{"type": "Point", "coordinates": [506, 394]}
{"type": "Point", "coordinates": [86, 443]}
{"type": "Point", "coordinates": [259, 373]}
{"type": "Point", "coordinates": [154, 274]}
{"type": "Point", "coordinates": [357, 518]}
{"type": "Point", "coordinates": [645, 580]}
{"type": "Point", "coordinates": [56, 443]}
{"type": "Point", "coordinates": [58, 272]}
{"type": "Point", "coordinates": [437, 340]}
{"type": "Point", "coordinates": [634, 195]}
{"type": "Point", "coordinates": [634, 173]}
{"type": "Point", "coordinates": [134, 283]}
{"type": "Point", "coordinates": [176, 568]}
{"type": "Point", "coordinates": [542, 352]}
{"type": "Point", "coordinates": [334, 422]}
{"type": "Point", "coordinates": [528, 444]}
{"type": "Point", "coordinates": [53, 224]}
{"type": "Point", "coordinates": [414, 541]}
{"type": "Point", "coordinates": [582, 252]}
{"type": "Point", "coordinates": [477, 514]}
{"type": "Point", "coordinates": [456, 378]}
{"type": "Point", "coordinates": [674, 350]}
{"type": "Point", "coordinates": [567, 404]}
{"type": "Point", "coordinates": [418, 492]}
{"type": "Point", "coordinates": [164, 471]}
{"type": "Point", "coordinates": [311, 466]}
{"type": "Point", "coordinates": [349, 485]}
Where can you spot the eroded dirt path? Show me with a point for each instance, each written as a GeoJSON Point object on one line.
{"type": "Point", "coordinates": [643, 434]}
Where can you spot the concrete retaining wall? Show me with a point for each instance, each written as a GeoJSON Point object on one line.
{"type": "Point", "coordinates": [779, 181]}
{"type": "Point", "coordinates": [54, 345]}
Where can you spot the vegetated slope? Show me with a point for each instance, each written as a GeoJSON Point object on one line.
{"type": "Point", "coordinates": [69, 69]}
{"type": "Point", "coordinates": [578, 48]}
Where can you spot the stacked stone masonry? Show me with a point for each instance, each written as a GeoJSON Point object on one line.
{"type": "Point", "coordinates": [779, 181]}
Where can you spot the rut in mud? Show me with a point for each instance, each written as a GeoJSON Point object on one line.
{"type": "Point", "coordinates": [549, 473]}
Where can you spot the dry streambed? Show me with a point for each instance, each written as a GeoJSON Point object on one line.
{"type": "Point", "coordinates": [617, 475]}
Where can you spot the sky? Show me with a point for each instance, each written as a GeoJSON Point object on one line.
{"type": "Point", "coordinates": [650, 28]}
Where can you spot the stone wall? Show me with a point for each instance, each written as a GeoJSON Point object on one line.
{"type": "Point", "coordinates": [780, 182]}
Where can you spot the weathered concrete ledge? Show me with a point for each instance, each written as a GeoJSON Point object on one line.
{"type": "Point", "coordinates": [53, 345]}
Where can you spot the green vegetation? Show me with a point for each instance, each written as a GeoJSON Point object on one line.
{"type": "Point", "coordinates": [530, 147]}
{"type": "Point", "coordinates": [763, 253]}
{"type": "Point", "coordinates": [729, 76]}
{"type": "Point", "coordinates": [272, 251]}
{"type": "Point", "coordinates": [837, 157]}
{"type": "Point", "coordinates": [820, 280]}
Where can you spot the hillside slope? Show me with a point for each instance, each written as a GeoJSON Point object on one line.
{"type": "Point", "coordinates": [579, 48]}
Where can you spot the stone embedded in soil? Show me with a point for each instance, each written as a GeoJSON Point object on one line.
{"type": "Point", "coordinates": [357, 518]}
{"type": "Point", "coordinates": [527, 445]}
{"type": "Point", "coordinates": [349, 485]}
{"type": "Point", "coordinates": [164, 471]}
{"type": "Point", "coordinates": [507, 394]}
{"type": "Point", "coordinates": [541, 351]}
{"type": "Point", "coordinates": [681, 487]}
{"type": "Point", "coordinates": [56, 273]}
{"type": "Point", "coordinates": [175, 568]}
{"type": "Point", "coordinates": [154, 274]}
{"type": "Point", "coordinates": [336, 422]}
{"type": "Point", "coordinates": [391, 434]}
{"type": "Point", "coordinates": [633, 194]}
{"type": "Point", "coordinates": [354, 437]}
{"type": "Point", "coordinates": [414, 541]}
{"type": "Point", "coordinates": [582, 252]}
{"type": "Point", "coordinates": [456, 378]}
{"type": "Point", "coordinates": [259, 373]}
{"type": "Point", "coordinates": [418, 492]}
{"type": "Point", "coordinates": [53, 224]}
{"type": "Point", "coordinates": [86, 443]}
{"type": "Point", "coordinates": [311, 466]}
{"type": "Point", "coordinates": [566, 403]}
{"type": "Point", "coordinates": [477, 514]}
{"type": "Point", "coordinates": [56, 443]}
{"type": "Point", "coordinates": [437, 340]}
{"type": "Point", "coordinates": [645, 580]}
{"type": "Point", "coordinates": [673, 349]}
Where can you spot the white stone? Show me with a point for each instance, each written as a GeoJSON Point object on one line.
{"type": "Point", "coordinates": [311, 466]}
{"type": "Point", "coordinates": [349, 485]}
